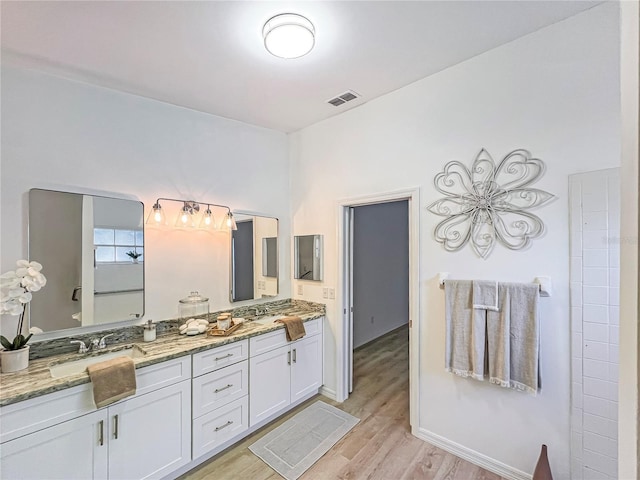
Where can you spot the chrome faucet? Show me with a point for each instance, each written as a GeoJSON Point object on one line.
{"type": "Point", "coordinates": [257, 311]}
{"type": "Point", "coordinates": [94, 344]}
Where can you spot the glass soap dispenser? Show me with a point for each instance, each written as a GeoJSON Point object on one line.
{"type": "Point", "coordinates": [192, 306]}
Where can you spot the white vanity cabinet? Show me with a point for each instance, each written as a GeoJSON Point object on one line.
{"type": "Point", "coordinates": [145, 436]}
{"type": "Point", "coordinates": [220, 396]}
{"type": "Point", "coordinates": [281, 372]}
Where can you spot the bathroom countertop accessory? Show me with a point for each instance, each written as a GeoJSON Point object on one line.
{"type": "Point", "coordinates": [149, 331]}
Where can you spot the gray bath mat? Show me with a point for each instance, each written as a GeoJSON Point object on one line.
{"type": "Point", "coordinates": [299, 442]}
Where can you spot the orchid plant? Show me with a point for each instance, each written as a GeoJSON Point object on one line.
{"type": "Point", "coordinates": [15, 293]}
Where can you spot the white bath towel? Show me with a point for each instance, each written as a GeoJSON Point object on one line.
{"type": "Point", "coordinates": [485, 295]}
{"type": "Point", "coordinates": [465, 331]}
{"type": "Point", "coordinates": [513, 338]}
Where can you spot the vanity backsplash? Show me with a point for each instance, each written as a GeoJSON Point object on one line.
{"type": "Point", "coordinates": [134, 333]}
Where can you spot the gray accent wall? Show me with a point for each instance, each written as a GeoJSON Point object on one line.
{"type": "Point", "coordinates": [380, 270]}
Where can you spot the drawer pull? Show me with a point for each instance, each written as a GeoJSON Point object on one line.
{"type": "Point", "coordinates": [224, 426]}
{"type": "Point", "coordinates": [217, 390]}
{"type": "Point", "coordinates": [222, 358]}
{"type": "Point", "coordinates": [101, 434]}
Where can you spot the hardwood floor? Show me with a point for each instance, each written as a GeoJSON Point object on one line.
{"type": "Point", "coordinates": [380, 447]}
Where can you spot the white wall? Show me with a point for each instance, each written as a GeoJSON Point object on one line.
{"type": "Point", "coordinates": [65, 135]}
{"type": "Point", "coordinates": [554, 92]}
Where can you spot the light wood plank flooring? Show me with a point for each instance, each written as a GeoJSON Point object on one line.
{"type": "Point", "coordinates": [380, 447]}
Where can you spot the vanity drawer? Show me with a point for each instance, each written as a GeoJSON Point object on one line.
{"type": "Point", "coordinates": [269, 341]}
{"type": "Point", "coordinates": [218, 388]}
{"type": "Point", "coordinates": [215, 428]}
{"type": "Point", "coordinates": [162, 374]}
{"type": "Point", "coordinates": [219, 357]}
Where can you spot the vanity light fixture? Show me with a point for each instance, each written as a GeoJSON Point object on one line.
{"type": "Point", "coordinates": [288, 35]}
{"type": "Point", "coordinates": [187, 217]}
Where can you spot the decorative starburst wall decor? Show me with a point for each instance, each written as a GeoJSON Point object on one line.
{"type": "Point", "coordinates": [489, 203]}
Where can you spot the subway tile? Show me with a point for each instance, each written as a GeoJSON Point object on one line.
{"type": "Point", "coordinates": [600, 463]}
{"type": "Point", "coordinates": [600, 444]}
{"type": "Point", "coordinates": [600, 425]}
{"type": "Point", "coordinates": [594, 221]}
{"type": "Point", "coordinates": [614, 257]}
{"type": "Point", "coordinates": [595, 350]}
{"type": "Point", "coordinates": [575, 220]}
{"type": "Point", "coordinates": [595, 388]}
{"type": "Point", "coordinates": [576, 416]}
{"type": "Point", "coordinates": [576, 319]}
{"type": "Point", "coordinates": [598, 332]}
{"type": "Point", "coordinates": [598, 239]}
{"type": "Point", "coordinates": [614, 354]}
{"type": "Point", "coordinates": [594, 201]}
{"type": "Point", "coordinates": [595, 369]}
{"type": "Point", "coordinates": [613, 411]}
{"type": "Point", "coordinates": [576, 394]}
{"type": "Point", "coordinates": [613, 221]}
{"type": "Point", "coordinates": [595, 257]}
{"type": "Point", "coordinates": [614, 315]}
{"type": "Point", "coordinates": [595, 314]}
{"type": "Point", "coordinates": [614, 370]}
{"type": "Point", "coordinates": [576, 466]}
{"type": "Point", "coordinates": [576, 367]}
{"type": "Point", "coordinates": [576, 344]}
{"type": "Point", "coordinates": [614, 277]}
{"type": "Point", "coordinates": [576, 269]}
{"type": "Point", "coordinates": [596, 277]}
{"type": "Point", "coordinates": [576, 245]}
{"type": "Point", "coordinates": [613, 391]}
{"type": "Point", "coordinates": [576, 294]}
{"type": "Point", "coordinates": [596, 406]}
{"type": "Point", "coordinates": [614, 296]}
{"type": "Point", "coordinates": [614, 334]}
{"type": "Point", "coordinates": [589, 474]}
{"type": "Point", "coordinates": [595, 295]}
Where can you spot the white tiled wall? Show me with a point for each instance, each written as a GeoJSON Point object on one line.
{"type": "Point", "coordinates": [595, 262]}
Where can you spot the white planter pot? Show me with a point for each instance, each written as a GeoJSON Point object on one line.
{"type": "Point", "coordinates": [14, 360]}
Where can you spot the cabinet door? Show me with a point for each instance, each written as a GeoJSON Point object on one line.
{"type": "Point", "coordinates": [75, 449]}
{"type": "Point", "coordinates": [306, 366]}
{"type": "Point", "coordinates": [150, 435]}
{"type": "Point", "coordinates": [269, 384]}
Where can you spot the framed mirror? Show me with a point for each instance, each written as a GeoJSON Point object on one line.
{"type": "Point", "coordinates": [92, 251]}
{"type": "Point", "coordinates": [254, 257]}
{"type": "Point", "coordinates": [307, 257]}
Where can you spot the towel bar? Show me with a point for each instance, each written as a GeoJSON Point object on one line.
{"type": "Point", "coordinates": [544, 283]}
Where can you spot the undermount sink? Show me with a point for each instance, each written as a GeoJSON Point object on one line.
{"type": "Point", "coordinates": [73, 367]}
{"type": "Point", "coordinates": [269, 319]}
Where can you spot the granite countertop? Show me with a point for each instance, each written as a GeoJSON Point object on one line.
{"type": "Point", "coordinates": [36, 380]}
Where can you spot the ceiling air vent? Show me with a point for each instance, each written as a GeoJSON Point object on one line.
{"type": "Point", "coordinates": [343, 98]}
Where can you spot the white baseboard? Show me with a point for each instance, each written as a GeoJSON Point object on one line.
{"type": "Point", "coordinates": [327, 392]}
{"type": "Point", "coordinates": [472, 456]}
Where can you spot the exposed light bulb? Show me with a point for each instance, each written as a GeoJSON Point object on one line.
{"type": "Point", "coordinates": [157, 216]}
{"type": "Point", "coordinates": [207, 220]}
{"type": "Point", "coordinates": [184, 218]}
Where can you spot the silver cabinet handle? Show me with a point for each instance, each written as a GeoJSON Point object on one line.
{"type": "Point", "coordinates": [223, 426]}
{"type": "Point", "coordinates": [294, 355]}
{"type": "Point", "coordinates": [101, 433]}
{"type": "Point", "coordinates": [115, 427]}
{"type": "Point", "coordinates": [289, 357]}
{"type": "Point", "coordinates": [217, 390]}
{"type": "Point", "coordinates": [222, 358]}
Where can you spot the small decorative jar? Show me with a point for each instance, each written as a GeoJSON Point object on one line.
{"type": "Point", "coordinates": [224, 321]}
{"type": "Point", "coordinates": [195, 305]}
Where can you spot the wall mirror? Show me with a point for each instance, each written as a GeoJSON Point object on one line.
{"type": "Point", "coordinates": [307, 256]}
{"type": "Point", "coordinates": [254, 257]}
{"type": "Point", "coordinates": [92, 251]}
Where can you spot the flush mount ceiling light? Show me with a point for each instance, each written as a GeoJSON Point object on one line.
{"type": "Point", "coordinates": [288, 35]}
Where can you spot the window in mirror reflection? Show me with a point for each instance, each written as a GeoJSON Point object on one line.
{"type": "Point", "coordinates": [112, 245]}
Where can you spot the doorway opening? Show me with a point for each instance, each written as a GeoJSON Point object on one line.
{"type": "Point", "coordinates": [378, 283]}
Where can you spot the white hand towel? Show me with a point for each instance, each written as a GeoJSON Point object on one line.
{"type": "Point", "coordinates": [485, 295]}
{"type": "Point", "coordinates": [465, 331]}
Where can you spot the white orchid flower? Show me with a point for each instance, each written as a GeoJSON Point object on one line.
{"type": "Point", "coordinates": [22, 263]}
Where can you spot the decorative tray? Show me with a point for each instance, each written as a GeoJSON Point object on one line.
{"type": "Point", "coordinates": [216, 332]}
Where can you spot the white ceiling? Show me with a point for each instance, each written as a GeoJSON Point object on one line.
{"type": "Point", "coordinates": [209, 56]}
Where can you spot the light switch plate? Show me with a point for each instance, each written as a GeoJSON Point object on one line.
{"type": "Point", "coordinates": [299, 289]}
{"type": "Point", "coordinates": [325, 292]}
{"type": "Point", "coordinates": [332, 293]}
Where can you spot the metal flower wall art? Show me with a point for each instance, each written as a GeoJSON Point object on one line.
{"type": "Point", "coordinates": [489, 203]}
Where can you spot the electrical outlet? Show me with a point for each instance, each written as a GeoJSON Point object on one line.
{"type": "Point", "coordinates": [325, 292]}
{"type": "Point", "coordinates": [299, 289]}
{"type": "Point", "coordinates": [332, 293]}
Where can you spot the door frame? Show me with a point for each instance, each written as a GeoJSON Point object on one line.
{"type": "Point", "coordinates": [345, 327]}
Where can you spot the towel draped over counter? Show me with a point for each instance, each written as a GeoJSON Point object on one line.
{"type": "Point", "coordinates": [294, 327]}
{"type": "Point", "coordinates": [112, 380]}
